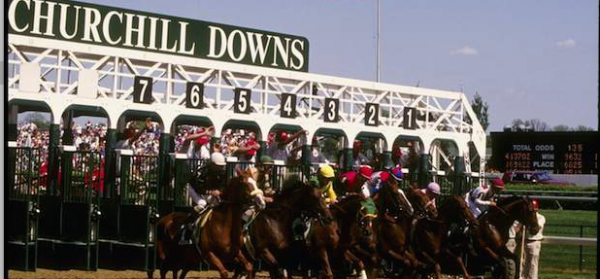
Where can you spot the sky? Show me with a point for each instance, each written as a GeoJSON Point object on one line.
{"type": "Point", "coordinates": [527, 59]}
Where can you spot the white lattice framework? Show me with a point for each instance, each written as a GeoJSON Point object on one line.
{"type": "Point", "coordinates": [442, 115]}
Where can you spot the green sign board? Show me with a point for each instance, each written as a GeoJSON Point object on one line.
{"type": "Point", "coordinates": [101, 25]}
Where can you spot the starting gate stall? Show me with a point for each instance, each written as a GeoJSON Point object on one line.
{"type": "Point", "coordinates": [191, 151]}
{"type": "Point", "coordinates": [166, 67]}
{"type": "Point", "coordinates": [70, 210]}
{"type": "Point", "coordinates": [23, 188]}
{"type": "Point", "coordinates": [291, 159]}
{"type": "Point", "coordinates": [128, 241]}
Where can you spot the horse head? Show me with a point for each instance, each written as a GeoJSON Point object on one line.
{"type": "Point", "coordinates": [522, 210]}
{"type": "Point", "coordinates": [243, 188]}
{"type": "Point", "coordinates": [457, 209]}
{"type": "Point", "coordinates": [300, 196]}
{"type": "Point", "coordinates": [421, 203]}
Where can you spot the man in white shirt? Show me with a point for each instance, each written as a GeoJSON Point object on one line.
{"type": "Point", "coordinates": [533, 247]}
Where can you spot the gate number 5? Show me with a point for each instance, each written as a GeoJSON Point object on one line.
{"type": "Point", "coordinates": [241, 102]}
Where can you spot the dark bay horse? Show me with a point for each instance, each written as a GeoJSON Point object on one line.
{"type": "Point", "coordinates": [395, 221]}
{"type": "Point", "coordinates": [490, 237]}
{"type": "Point", "coordinates": [430, 234]}
{"type": "Point", "coordinates": [357, 233]}
{"type": "Point", "coordinates": [218, 242]}
{"type": "Point", "coordinates": [271, 232]}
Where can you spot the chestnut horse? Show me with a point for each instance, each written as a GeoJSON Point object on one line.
{"type": "Point", "coordinates": [271, 232]}
{"type": "Point", "coordinates": [490, 237]}
{"type": "Point", "coordinates": [394, 228]}
{"type": "Point", "coordinates": [220, 239]}
{"type": "Point", "coordinates": [430, 235]}
{"type": "Point", "coordinates": [357, 233]}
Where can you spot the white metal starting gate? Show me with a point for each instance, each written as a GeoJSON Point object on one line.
{"type": "Point", "coordinates": [63, 73]}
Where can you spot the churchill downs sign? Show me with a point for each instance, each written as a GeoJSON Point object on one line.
{"type": "Point", "coordinates": [92, 24]}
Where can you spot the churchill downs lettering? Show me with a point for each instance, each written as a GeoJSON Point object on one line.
{"type": "Point", "coordinates": [85, 23]}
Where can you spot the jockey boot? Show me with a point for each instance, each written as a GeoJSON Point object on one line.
{"type": "Point", "coordinates": [298, 227]}
{"type": "Point", "coordinates": [247, 218]}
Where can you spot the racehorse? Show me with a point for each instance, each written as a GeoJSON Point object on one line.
{"type": "Point", "coordinates": [430, 235]}
{"type": "Point", "coordinates": [271, 231]}
{"type": "Point", "coordinates": [322, 242]}
{"type": "Point", "coordinates": [218, 241]}
{"type": "Point", "coordinates": [490, 237]}
{"type": "Point", "coordinates": [395, 220]}
{"type": "Point", "coordinates": [357, 233]}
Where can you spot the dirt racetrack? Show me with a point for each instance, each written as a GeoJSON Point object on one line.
{"type": "Point", "coordinates": [106, 274]}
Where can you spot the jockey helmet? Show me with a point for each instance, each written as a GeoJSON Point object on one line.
{"type": "Point", "coordinates": [266, 160]}
{"type": "Point", "coordinates": [282, 136]}
{"type": "Point", "coordinates": [384, 176]}
{"type": "Point", "coordinates": [365, 172]}
{"type": "Point", "coordinates": [327, 171]}
{"type": "Point", "coordinates": [217, 158]}
{"type": "Point", "coordinates": [498, 183]}
{"type": "Point", "coordinates": [434, 188]}
{"type": "Point", "coordinates": [397, 173]}
{"type": "Point", "coordinates": [535, 204]}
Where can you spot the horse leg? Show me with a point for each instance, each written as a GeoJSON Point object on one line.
{"type": "Point", "coordinates": [269, 258]}
{"type": "Point", "coordinates": [322, 253]}
{"type": "Point", "coordinates": [361, 266]}
{"type": "Point", "coordinates": [247, 264]}
{"type": "Point", "coordinates": [183, 273]}
{"type": "Point", "coordinates": [460, 263]}
{"type": "Point", "coordinates": [175, 271]}
{"type": "Point", "coordinates": [216, 262]}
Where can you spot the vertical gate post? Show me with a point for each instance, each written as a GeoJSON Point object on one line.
{"type": "Point", "coordinates": [424, 170]}
{"type": "Point", "coordinates": [348, 159]}
{"type": "Point", "coordinates": [164, 173]}
{"type": "Point", "coordinates": [52, 178]}
{"type": "Point", "coordinates": [110, 163]}
{"type": "Point", "coordinates": [387, 159]}
{"type": "Point", "coordinates": [459, 176]}
{"type": "Point", "coordinates": [181, 179]}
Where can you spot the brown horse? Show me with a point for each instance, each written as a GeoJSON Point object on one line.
{"type": "Point", "coordinates": [490, 237]}
{"type": "Point", "coordinates": [357, 233]}
{"type": "Point", "coordinates": [271, 232]}
{"type": "Point", "coordinates": [430, 235]}
{"type": "Point", "coordinates": [323, 241]}
{"type": "Point", "coordinates": [220, 239]}
{"type": "Point", "coordinates": [395, 221]}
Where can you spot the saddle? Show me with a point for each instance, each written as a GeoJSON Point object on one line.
{"type": "Point", "coordinates": [191, 230]}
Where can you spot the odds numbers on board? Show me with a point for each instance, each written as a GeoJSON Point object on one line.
{"type": "Point", "coordinates": [288, 105]}
{"type": "Point", "coordinates": [332, 108]}
{"type": "Point", "coordinates": [194, 97]}
{"type": "Point", "coordinates": [371, 114]}
{"type": "Point", "coordinates": [241, 102]}
{"type": "Point", "coordinates": [410, 118]}
{"type": "Point", "coordinates": [142, 90]}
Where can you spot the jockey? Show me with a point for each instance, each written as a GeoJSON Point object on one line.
{"type": "Point", "coordinates": [208, 182]}
{"type": "Point", "coordinates": [393, 180]}
{"type": "Point", "coordinates": [206, 188]}
{"type": "Point", "coordinates": [481, 198]}
{"type": "Point", "coordinates": [431, 191]}
{"type": "Point", "coordinates": [358, 182]}
{"type": "Point", "coordinates": [324, 182]}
